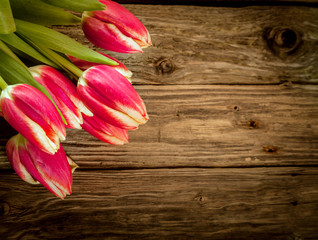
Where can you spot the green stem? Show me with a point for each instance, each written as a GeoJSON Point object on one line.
{"type": "Point", "coordinates": [61, 61]}
{"type": "Point", "coordinates": [3, 83]}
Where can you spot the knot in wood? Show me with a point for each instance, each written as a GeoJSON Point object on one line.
{"type": "Point", "coordinates": [282, 41]}
{"type": "Point", "coordinates": [286, 39]}
{"type": "Point", "coordinates": [164, 66]}
{"type": "Point", "coordinates": [5, 208]}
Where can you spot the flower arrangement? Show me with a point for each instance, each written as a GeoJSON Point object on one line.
{"type": "Point", "coordinates": [38, 68]}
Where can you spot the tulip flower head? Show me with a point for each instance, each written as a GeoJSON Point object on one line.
{"type": "Point", "coordinates": [104, 131]}
{"type": "Point", "coordinates": [63, 92]}
{"type": "Point", "coordinates": [83, 65]}
{"type": "Point", "coordinates": [33, 115]}
{"type": "Point", "coordinates": [111, 97]}
{"type": "Point", "coordinates": [35, 166]}
{"type": "Point", "coordinates": [115, 29]}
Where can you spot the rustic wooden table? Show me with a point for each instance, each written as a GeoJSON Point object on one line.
{"type": "Point", "coordinates": [231, 148]}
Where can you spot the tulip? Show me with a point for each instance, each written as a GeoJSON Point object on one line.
{"type": "Point", "coordinates": [121, 68]}
{"type": "Point", "coordinates": [32, 114]}
{"type": "Point", "coordinates": [63, 92]}
{"type": "Point", "coordinates": [104, 131]}
{"type": "Point", "coordinates": [35, 166]}
{"type": "Point", "coordinates": [115, 29]}
{"type": "Point", "coordinates": [111, 97]}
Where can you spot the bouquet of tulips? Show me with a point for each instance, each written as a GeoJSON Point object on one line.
{"type": "Point", "coordinates": [50, 82]}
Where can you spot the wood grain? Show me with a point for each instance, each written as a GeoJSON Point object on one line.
{"type": "Point", "coordinates": [262, 203]}
{"type": "Point", "coordinates": [228, 3]}
{"type": "Point", "coordinates": [231, 147]}
{"type": "Point", "coordinates": [211, 45]}
{"type": "Point", "coordinates": [211, 126]}
{"type": "Point", "coordinates": [217, 126]}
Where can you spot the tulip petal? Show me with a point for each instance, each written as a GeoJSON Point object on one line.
{"type": "Point", "coordinates": [106, 89]}
{"type": "Point", "coordinates": [106, 113]}
{"type": "Point", "coordinates": [14, 158]}
{"type": "Point", "coordinates": [111, 97]}
{"type": "Point", "coordinates": [104, 131]}
{"type": "Point", "coordinates": [63, 92]}
{"type": "Point", "coordinates": [33, 115]}
{"type": "Point", "coordinates": [53, 172]}
{"type": "Point", "coordinates": [33, 166]}
{"type": "Point", "coordinates": [125, 21]}
{"type": "Point", "coordinates": [107, 36]}
{"type": "Point", "coordinates": [84, 65]}
{"type": "Point", "coordinates": [72, 164]}
{"type": "Point", "coordinates": [30, 129]}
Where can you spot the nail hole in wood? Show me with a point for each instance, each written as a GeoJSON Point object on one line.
{"type": "Point", "coordinates": [236, 108]}
{"type": "Point", "coordinates": [294, 174]}
{"type": "Point", "coordinates": [270, 149]}
{"type": "Point", "coordinates": [164, 66]}
{"type": "Point", "coordinates": [200, 199]}
{"type": "Point", "coordinates": [253, 124]}
{"type": "Point", "coordinates": [294, 203]}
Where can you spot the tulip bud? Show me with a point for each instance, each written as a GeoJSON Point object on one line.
{"type": "Point", "coordinates": [104, 131]}
{"type": "Point", "coordinates": [111, 97]}
{"type": "Point", "coordinates": [63, 92]}
{"type": "Point", "coordinates": [32, 114]}
{"type": "Point", "coordinates": [35, 166]}
{"type": "Point", "coordinates": [115, 29]}
{"type": "Point", "coordinates": [83, 65]}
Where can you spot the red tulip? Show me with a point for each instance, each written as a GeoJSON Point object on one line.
{"type": "Point", "coordinates": [63, 92]}
{"type": "Point", "coordinates": [83, 65]}
{"type": "Point", "coordinates": [104, 131]}
{"type": "Point", "coordinates": [111, 97]}
{"type": "Point", "coordinates": [115, 29]}
{"type": "Point", "coordinates": [33, 115]}
{"type": "Point", "coordinates": [35, 166]}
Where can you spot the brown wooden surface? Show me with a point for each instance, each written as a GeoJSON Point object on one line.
{"type": "Point", "coordinates": [209, 45]}
{"type": "Point", "coordinates": [230, 203]}
{"type": "Point", "coordinates": [236, 3]}
{"type": "Point", "coordinates": [230, 150]}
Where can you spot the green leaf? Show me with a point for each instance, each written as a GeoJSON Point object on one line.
{"type": "Point", "coordinates": [59, 42]}
{"type": "Point", "coordinates": [79, 5]}
{"type": "Point", "coordinates": [3, 85]}
{"type": "Point", "coordinates": [42, 13]}
{"type": "Point", "coordinates": [16, 42]}
{"type": "Point", "coordinates": [13, 73]}
{"type": "Point", "coordinates": [62, 61]}
{"type": "Point", "coordinates": [7, 24]}
{"type": "Point", "coordinates": [9, 52]}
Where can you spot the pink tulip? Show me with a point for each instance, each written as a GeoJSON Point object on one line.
{"type": "Point", "coordinates": [63, 92]}
{"type": "Point", "coordinates": [83, 65]}
{"type": "Point", "coordinates": [111, 97]}
{"type": "Point", "coordinates": [32, 114]}
{"type": "Point", "coordinates": [35, 166]}
{"type": "Point", "coordinates": [115, 29]}
{"type": "Point", "coordinates": [104, 131]}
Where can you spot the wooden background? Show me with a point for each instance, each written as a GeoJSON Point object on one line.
{"type": "Point", "coordinates": [231, 147]}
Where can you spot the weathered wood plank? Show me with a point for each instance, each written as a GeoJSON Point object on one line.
{"type": "Point", "coordinates": [206, 126]}
{"type": "Point", "coordinates": [211, 45]}
{"type": "Point", "coordinates": [219, 2]}
{"type": "Point", "coordinates": [263, 203]}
